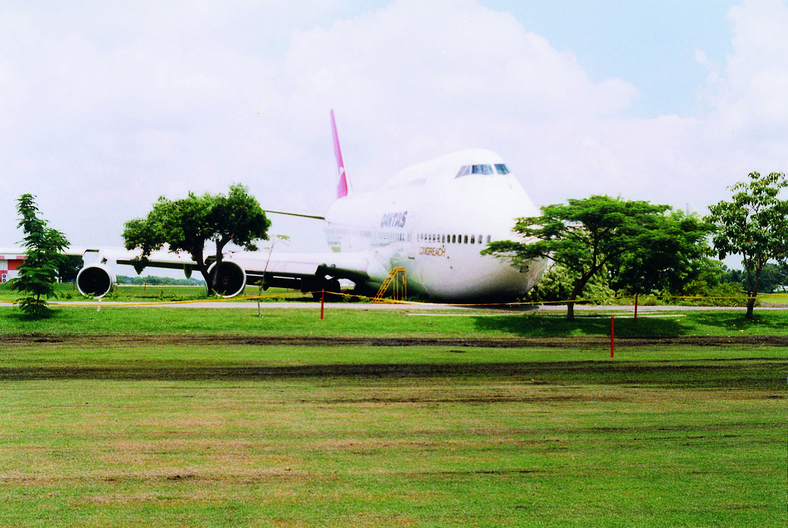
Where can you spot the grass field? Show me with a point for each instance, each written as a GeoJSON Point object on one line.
{"type": "Point", "coordinates": [364, 320]}
{"type": "Point", "coordinates": [167, 293]}
{"type": "Point", "coordinates": [152, 293]}
{"type": "Point", "coordinates": [117, 418]}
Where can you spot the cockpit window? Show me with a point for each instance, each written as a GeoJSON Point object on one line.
{"type": "Point", "coordinates": [485, 170]}
{"type": "Point", "coordinates": [464, 171]}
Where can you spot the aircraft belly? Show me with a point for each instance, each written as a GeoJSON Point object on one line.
{"type": "Point", "coordinates": [453, 278]}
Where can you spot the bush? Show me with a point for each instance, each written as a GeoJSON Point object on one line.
{"type": "Point", "coordinates": [556, 286]}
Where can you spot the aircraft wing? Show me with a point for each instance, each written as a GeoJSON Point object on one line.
{"type": "Point", "coordinates": [97, 276]}
{"type": "Point", "coordinates": [158, 259]}
{"type": "Point", "coordinates": [304, 271]}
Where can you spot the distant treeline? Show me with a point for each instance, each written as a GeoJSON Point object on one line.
{"type": "Point", "coordinates": [774, 277]}
{"type": "Point", "coordinates": [162, 281]}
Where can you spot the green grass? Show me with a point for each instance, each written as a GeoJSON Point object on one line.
{"type": "Point", "coordinates": [171, 293]}
{"type": "Point", "coordinates": [102, 424]}
{"type": "Point", "coordinates": [153, 293]}
{"type": "Point", "coordinates": [407, 321]}
{"type": "Point", "coordinates": [107, 435]}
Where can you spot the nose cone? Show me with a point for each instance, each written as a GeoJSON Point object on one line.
{"type": "Point", "coordinates": [490, 279]}
{"type": "Point", "coordinates": [491, 206]}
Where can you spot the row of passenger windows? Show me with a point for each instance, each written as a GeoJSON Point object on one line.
{"type": "Point", "coordinates": [486, 170]}
{"type": "Point", "coordinates": [454, 239]}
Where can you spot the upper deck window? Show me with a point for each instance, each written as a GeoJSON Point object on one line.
{"type": "Point", "coordinates": [481, 169]}
{"type": "Point", "coordinates": [501, 168]}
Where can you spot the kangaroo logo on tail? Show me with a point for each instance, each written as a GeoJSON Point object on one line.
{"type": "Point", "coordinates": [343, 187]}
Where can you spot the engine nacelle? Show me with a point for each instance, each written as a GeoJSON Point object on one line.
{"type": "Point", "coordinates": [96, 280]}
{"type": "Point", "coordinates": [231, 280]}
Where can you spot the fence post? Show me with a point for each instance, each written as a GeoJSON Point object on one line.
{"type": "Point", "coordinates": [612, 336]}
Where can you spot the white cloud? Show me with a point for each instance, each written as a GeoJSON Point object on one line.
{"type": "Point", "coordinates": [104, 109]}
{"type": "Point", "coordinates": [746, 127]}
{"type": "Point", "coordinates": [415, 80]}
{"type": "Point", "coordinates": [752, 96]}
{"type": "Point", "coordinates": [410, 58]}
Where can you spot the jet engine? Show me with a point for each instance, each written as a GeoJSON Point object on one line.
{"type": "Point", "coordinates": [231, 279]}
{"type": "Point", "coordinates": [95, 280]}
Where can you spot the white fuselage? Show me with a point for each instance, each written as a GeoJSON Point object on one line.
{"type": "Point", "coordinates": [434, 219]}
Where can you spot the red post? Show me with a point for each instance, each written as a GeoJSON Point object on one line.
{"type": "Point", "coordinates": [612, 336]}
{"type": "Point", "coordinates": [322, 302]}
{"type": "Point", "coordinates": [636, 307]}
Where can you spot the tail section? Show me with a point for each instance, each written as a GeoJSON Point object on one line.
{"type": "Point", "coordinates": [343, 187]}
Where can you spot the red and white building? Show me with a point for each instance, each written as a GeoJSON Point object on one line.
{"type": "Point", "coordinates": [10, 260]}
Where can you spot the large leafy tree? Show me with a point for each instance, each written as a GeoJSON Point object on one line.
{"type": "Point", "coordinates": [582, 235]}
{"type": "Point", "coordinates": [753, 224]}
{"type": "Point", "coordinates": [675, 255]}
{"type": "Point", "coordinates": [186, 225]}
{"type": "Point", "coordinates": [39, 271]}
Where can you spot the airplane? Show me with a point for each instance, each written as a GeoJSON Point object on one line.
{"type": "Point", "coordinates": [432, 219]}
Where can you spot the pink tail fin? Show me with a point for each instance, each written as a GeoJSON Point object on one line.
{"type": "Point", "coordinates": [343, 187]}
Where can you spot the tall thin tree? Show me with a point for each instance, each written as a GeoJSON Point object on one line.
{"type": "Point", "coordinates": [753, 224]}
{"type": "Point", "coordinates": [43, 254]}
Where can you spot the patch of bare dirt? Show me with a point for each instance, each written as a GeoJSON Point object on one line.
{"type": "Point", "coordinates": [457, 342]}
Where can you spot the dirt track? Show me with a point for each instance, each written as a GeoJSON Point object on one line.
{"type": "Point", "coordinates": [715, 374]}
{"type": "Point", "coordinates": [495, 342]}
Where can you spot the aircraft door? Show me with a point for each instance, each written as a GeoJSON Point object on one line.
{"type": "Point", "coordinates": [412, 237]}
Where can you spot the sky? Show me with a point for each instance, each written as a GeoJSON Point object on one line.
{"type": "Point", "coordinates": [106, 106]}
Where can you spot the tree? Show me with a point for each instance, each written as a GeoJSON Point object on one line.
{"type": "Point", "coordinates": [753, 224]}
{"type": "Point", "coordinates": [39, 271]}
{"type": "Point", "coordinates": [676, 255]}
{"type": "Point", "coordinates": [557, 283]}
{"type": "Point", "coordinates": [189, 223]}
{"type": "Point", "coordinates": [582, 236]}
{"type": "Point", "coordinates": [68, 267]}
{"type": "Point", "coordinates": [773, 277]}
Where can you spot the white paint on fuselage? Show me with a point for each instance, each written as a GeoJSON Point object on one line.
{"type": "Point", "coordinates": [435, 224]}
